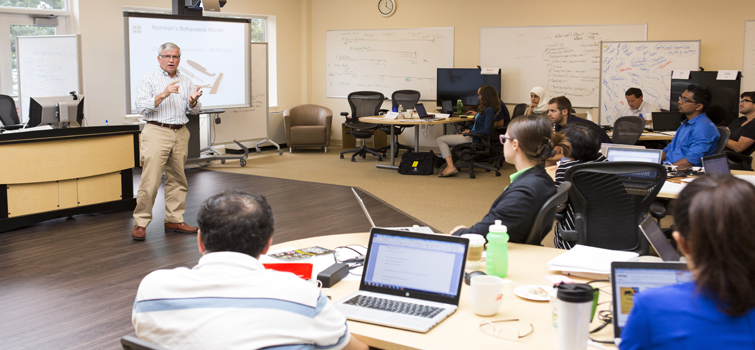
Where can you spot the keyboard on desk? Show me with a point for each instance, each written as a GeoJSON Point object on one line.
{"type": "Point", "coordinates": [394, 306]}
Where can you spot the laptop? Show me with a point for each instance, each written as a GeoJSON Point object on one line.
{"type": "Point", "coordinates": [422, 112]}
{"type": "Point", "coordinates": [410, 281]}
{"type": "Point", "coordinates": [666, 121]}
{"type": "Point", "coordinates": [658, 240]}
{"type": "Point", "coordinates": [620, 154]}
{"type": "Point", "coordinates": [716, 164]}
{"type": "Point", "coordinates": [447, 106]}
{"type": "Point", "coordinates": [604, 147]}
{"type": "Point", "coordinates": [630, 278]}
{"type": "Point", "coordinates": [364, 209]}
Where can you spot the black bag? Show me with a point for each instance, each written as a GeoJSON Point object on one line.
{"type": "Point", "coordinates": [417, 163]}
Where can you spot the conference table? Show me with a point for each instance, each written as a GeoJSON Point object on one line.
{"type": "Point", "coordinates": [651, 136]}
{"type": "Point", "coordinates": [408, 122]}
{"type": "Point", "coordinates": [527, 266]}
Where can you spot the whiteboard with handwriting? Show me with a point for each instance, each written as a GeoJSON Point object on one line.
{"type": "Point", "coordinates": [387, 60]}
{"type": "Point", "coordinates": [48, 65]}
{"type": "Point", "coordinates": [565, 60]}
{"type": "Point", "coordinates": [646, 65]}
{"type": "Point", "coordinates": [748, 64]}
{"type": "Point", "coordinates": [248, 123]}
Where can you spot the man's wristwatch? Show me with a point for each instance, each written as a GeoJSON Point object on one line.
{"type": "Point", "coordinates": [192, 104]}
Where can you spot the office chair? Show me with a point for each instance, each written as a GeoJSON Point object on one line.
{"type": "Point", "coordinates": [363, 104]}
{"type": "Point", "coordinates": [408, 99]}
{"type": "Point", "coordinates": [8, 113]}
{"type": "Point", "coordinates": [472, 155]}
{"type": "Point", "coordinates": [544, 219]}
{"type": "Point", "coordinates": [519, 110]}
{"type": "Point", "coordinates": [627, 130]}
{"type": "Point", "coordinates": [724, 136]}
{"type": "Point", "coordinates": [610, 200]}
{"type": "Point", "coordinates": [134, 343]}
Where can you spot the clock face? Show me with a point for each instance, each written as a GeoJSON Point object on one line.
{"type": "Point", "coordinates": [386, 7]}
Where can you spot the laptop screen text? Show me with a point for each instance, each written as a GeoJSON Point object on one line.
{"type": "Point", "coordinates": [415, 264]}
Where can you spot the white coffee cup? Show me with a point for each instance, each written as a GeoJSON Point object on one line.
{"type": "Point", "coordinates": [487, 294]}
{"type": "Point", "coordinates": [409, 114]}
{"type": "Point", "coordinates": [474, 254]}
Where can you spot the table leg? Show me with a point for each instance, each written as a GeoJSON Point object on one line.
{"type": "Point", "coordinates": [416, 138]}
{"type": "Point", "coordinates": [393, 150]}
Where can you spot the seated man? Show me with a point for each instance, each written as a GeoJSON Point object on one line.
{"type": "Point", "coordinates": [741, 141]}
{"type": "Point", "coordinates": [558, 113]}
{"type": "Point", "coordinates": [229, 300]}
{"type": "Point", "coordinates": [697, 137]}
{"type": "Point", "coordinates": [637, 107]}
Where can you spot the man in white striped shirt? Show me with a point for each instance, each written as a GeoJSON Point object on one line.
{"type": "Point", "coordinates": [164, 96]}
{"type": "Point", "coordinates": [229, 300]}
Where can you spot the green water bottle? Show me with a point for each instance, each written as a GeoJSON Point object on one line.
{"type": "Point", "coordinates": [497, 260]}
{"type": "Point", "coordinates": [459, 106]}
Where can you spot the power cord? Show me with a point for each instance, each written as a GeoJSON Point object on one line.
{"type": "Point", "coordinates": [355, 262]}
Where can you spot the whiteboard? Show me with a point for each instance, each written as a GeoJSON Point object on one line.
{"type": "Point", "coordinates": [646, 65]}
{"type": "Point", "coordinates": [387, 60]}
{"type": "Point", "coordinates": [47, 66]}
{"type": "Point", "coordinates": [565, 60]}
{"type": "Point", "coordinates": [248, 123]}
{"type": "Point", "coordinates": [748, 63]}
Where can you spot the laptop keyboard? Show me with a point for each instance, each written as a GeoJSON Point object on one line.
{"type": "Point", "coordinates": [389, 305]}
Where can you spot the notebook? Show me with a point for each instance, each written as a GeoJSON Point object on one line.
{"type": "Point", "coordinates": [666, 121]}
{"type": "Point", "coordinates": [630, 278]}
{"type": "Point", "coordinates": [716, 164]}
{"type": "Point", "coordinates": [410, 281]}
{"type": "Point", "coordinates": [422, 112]}
{"type": "Point", "coordinates": [658, 240]}
{"type": "Point", "coordinates": [617, 154]}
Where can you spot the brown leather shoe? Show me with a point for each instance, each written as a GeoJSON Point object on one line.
{"type": "Point", "coordinates": [139, 233]}
{"type": "Point", "coordinates": [180, 227]}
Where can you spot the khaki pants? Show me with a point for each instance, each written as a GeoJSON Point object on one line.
{"type": "Point", "coordinates": [162, 149]}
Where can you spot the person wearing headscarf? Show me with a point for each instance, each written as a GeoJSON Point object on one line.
{"type": "Point", "coordinates": [538, 102]}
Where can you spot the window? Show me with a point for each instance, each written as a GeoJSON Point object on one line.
{"type": "Point", "coordinates": [35, 4]}
{"type": "Point", "coordinates": [23, 30]}
{"type": "Point", "coordinates": [258, 30]}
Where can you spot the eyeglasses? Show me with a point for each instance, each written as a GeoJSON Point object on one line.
{"type": "Point", "coordinates": [169, 57]}
{"type": "Point", "coordinates": [684, 100]}
{"type": "Point", "coordinates": [745, 101]}
{"type": "Point", "coordinates": [503, 138]}
{"type": "Point", "coordinates": [507, 332]}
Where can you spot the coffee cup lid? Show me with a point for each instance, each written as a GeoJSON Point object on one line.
{"type": "Point", "coordinates": [575, 292]}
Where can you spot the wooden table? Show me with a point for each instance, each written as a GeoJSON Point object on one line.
{"type": "Point", "coordinates": [651, 136]}
{"type": "Point", "coordinates": [675, 194]}
{"type": "Point", "coordinates": [527, 266]}
{"type": "Point", "coordinates": [407, 122]}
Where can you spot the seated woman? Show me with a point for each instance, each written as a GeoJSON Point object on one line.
{"type": "Point", "coordinates": [538, 102]}
{"type": "Point", "coordinates": [742, 137]}
{"type": "Point", "coordinates": [585, 148]}
{"type": "Point", "coordinates": [714, 225]}
{"type": "Point", "coordinates": [528, 141]}
{"type": "Point", "coordinates": [487, 109]}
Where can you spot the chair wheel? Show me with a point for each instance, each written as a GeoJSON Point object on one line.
{"type": "Point", "coordinates": [471, 176]}
{"type": "Point", "coordinates": [380, 158]}
{"type": "Point", "coordinates": [364, 156]}
{"type": "Point", "coordinates": [353, 160]}
{"type": "Point", "coordinates": [487, 170]}
{"type": "Point", "coordinates": [222, 161]}
{"type": "Point", "coordinates": [342, 156]}
{"type": "Point", "coordinates": [497, 173]}
{"type": "Point", "coordinates": [243, 163]}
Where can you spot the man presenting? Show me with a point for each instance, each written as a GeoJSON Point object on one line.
{"type": "Point", "coordinates": [697, 137]}
{"type": "Point", "coordinates": [229, 300]}
{"type": "Point", "coordinates": [637, 107]}
{"type": "Point", "coordinates": [164, 96]}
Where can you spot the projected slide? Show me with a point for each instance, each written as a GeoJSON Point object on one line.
{"type": "Point", "coordinates": [214, 55]}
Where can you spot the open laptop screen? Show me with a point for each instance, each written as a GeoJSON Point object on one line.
{"type": "Point", "coordinates": [631, 278]}
{"type": "Point", "coordinates": [616, 154]}
{"type": "Point", "coordinates": [716, 164]}
{"type": "Point", "coordinates": [407, 262]}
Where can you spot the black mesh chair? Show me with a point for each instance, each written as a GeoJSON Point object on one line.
{"type": "Point", "coordinates": [8, 113]}
{"type": "Point", "coordinates": [627, 130]}
{"type": "Point", "coordinates": [519, 110]}
{"type": "Point", "coordinates": [363, 104]}
{"type": "Point", "coordinates": [724, 132]}
{"type": "Point", "coordinates": [407, 99]}
{"type": "Point", "coordinates": [473, 155]}
{"type": "Point", "coordinates": [610, 200]}
{"type": "Point", "coordinates": [544, 219]}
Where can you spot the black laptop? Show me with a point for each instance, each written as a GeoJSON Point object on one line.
{"type": "Point", "coordinates": [422, 112]}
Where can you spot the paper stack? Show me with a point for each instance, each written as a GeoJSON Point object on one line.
{"type": "Point", "coordinates": [589, 261]}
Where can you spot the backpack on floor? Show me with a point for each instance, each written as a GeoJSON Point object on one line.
{"type": "Point", "coordinates": [417, 163]}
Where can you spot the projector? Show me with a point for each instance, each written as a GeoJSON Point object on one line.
{"type": "Point", "coordinates": [209, 5]}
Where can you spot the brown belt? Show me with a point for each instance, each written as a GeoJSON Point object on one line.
{"type": "Point", "coordinates": [169, 126]}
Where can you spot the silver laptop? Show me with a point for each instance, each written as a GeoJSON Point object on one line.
{"type": "Point", "coordinates": [631, 278]}
{"type": "Point", "coordinates": [410, 280]}
{"type": "Point", "coordinates": [716, 164]}
{"type": "Point", "coordinates": [364, 209]}
{"type": "Point", "coordinates": [658, 240]}
{"type": "Point", "coordinates": [604, 147]}
{"type": "Point", "coordinates": [615, 154]}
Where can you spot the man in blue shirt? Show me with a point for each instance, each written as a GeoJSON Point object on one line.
{"type": "Point", "coordinates": [697, 137]}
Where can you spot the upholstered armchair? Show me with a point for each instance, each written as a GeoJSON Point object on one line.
{"type": "Point", "coordinates": [307, 126]}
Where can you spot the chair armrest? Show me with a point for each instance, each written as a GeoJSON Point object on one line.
{"type": "Point", "coordinates": [738, 156]}
{"type": "Point", "coordinates": [657, 210]}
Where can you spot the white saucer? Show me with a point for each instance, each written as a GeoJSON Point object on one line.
{"type": "Point", "coordinates": [532, 292]}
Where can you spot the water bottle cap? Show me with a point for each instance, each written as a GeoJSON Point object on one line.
{"type": "Point", "coordinates": [497, 227]}
{"type": "Point", "coordinates": [575, 292]}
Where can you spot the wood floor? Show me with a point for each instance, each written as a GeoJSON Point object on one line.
{"type": "Point", "coordinates": [70, 283]}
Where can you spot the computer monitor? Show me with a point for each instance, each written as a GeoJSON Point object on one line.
{"type": "Point", "coordinates": [58, 111]}
{"type": "Point", "coordinates": [462, 83]}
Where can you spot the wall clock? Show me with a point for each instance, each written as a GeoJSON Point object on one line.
{"type": "Point", "coordinates": [386, 7]}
